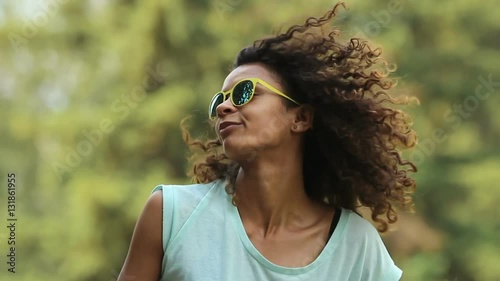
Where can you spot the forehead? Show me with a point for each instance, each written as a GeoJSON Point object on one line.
{"type": "Point", "coordinates": [253, 70]}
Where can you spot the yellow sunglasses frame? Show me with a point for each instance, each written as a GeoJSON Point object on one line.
{"type": "Point", "coordinates": [254, 82]}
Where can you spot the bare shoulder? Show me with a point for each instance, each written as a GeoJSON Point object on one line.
{"type": "Point", "coordinates": [151, 215]}
{"type": "Point", "coordinates": [150, 222]}
{"type": "Point", "coordinates": [145, 254]}
{"type": "Point", "coordinates": [155, 202]}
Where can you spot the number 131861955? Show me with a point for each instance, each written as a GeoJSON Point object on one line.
{"type": "Point", "coordinates": [11, 191]}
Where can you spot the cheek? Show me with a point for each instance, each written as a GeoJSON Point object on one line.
{"type": "Point", "coordinates": [267, 120]}
{"type": "Point", "coordinates": [269, 128]}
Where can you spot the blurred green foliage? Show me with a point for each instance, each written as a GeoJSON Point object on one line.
{"type": "Point", "coordinates": [92, 93]}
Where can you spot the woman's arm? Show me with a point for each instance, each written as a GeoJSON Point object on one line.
{"type": "Point", "coordinates": [145, 254]}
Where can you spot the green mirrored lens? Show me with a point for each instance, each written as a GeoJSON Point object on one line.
{"type": "Point", "coordinates": [216, 100]}
{"type": "Point", "coordinates": [242, 92]}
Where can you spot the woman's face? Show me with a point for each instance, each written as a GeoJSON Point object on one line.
{"type": "Point", "coordinates": [262, 124]}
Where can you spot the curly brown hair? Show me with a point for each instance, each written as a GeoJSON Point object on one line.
{"type": "Point", "coordinates": [351, 156]}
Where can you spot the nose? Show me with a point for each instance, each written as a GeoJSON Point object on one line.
{"type": "Point", "coordinates": [225, 108]}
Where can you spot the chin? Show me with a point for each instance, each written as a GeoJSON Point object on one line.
{"type": "Point", "coordinates": [239, 150]}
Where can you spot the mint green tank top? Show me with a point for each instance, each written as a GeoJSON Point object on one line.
{"type": "Point", "coordinates": [204, 239]}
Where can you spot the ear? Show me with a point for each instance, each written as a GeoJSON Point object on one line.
{"type": "Point", "coordinates": [304, 116]}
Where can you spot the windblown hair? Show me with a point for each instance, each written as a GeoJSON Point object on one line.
{"type": "Point", "coordinates": [351, 155]}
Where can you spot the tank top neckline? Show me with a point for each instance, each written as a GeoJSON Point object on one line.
{"type": "Point", "coordinates": [337, 230]}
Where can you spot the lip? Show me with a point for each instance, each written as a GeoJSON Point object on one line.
{"type": "Point", "coordinates": [226, 126]}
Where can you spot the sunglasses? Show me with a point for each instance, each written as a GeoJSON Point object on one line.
{"type": "Point", "coordinates": [240, 94]}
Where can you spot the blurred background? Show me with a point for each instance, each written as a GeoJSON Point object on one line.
{"type": "Point", "coordinates": [92, 93]}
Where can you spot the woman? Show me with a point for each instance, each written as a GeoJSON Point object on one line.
{"type": "Point", "coordinates": [305, 138]}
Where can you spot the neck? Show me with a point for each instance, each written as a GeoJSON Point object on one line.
{"type": "Point", "coordinates": [271, 198]}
